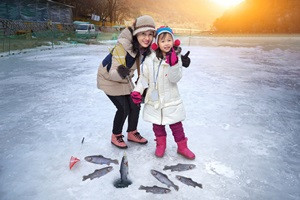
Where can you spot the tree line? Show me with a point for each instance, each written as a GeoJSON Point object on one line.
{"type": "Point", "coordinates": [261, 16]}
{"type": "Point", "coordinates": [251, 16]}
{"type": "Point", "coordinates": [175, 13]}
{"type": "Point", "coordinates": [114, 11]}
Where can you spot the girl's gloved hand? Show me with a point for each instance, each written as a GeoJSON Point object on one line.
{"type": "Point", "coordinates": [186, 60]}
{"type": "Point", "coordinates": [171, 57]}
{"type": "Point", "coordinates": [136, 97]}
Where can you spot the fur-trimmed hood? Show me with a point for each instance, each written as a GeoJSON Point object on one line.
{"type": "Point", "coordinates": [125, 38]}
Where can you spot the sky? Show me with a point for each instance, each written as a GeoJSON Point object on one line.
{"type": "Point", "coordinates": [227, 3]}
{"type": "Point", "coordinates": [241, 96]}
{"type": "Point", "coordinates": [195, 14]}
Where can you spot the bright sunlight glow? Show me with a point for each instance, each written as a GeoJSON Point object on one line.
{"type": "Point", "coordinates": [227, 3]}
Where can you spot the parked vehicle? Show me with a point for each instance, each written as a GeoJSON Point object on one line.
{"type": "Point", "coordinates": [86, 30]}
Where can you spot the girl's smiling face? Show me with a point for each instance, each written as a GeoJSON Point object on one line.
{"type": "Point", "coordinates": [145, 38]}
{"type": "Point", "coordinates": [165, 42]}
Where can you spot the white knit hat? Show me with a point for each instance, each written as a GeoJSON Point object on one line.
{"type": "Point", "coordinates": [143, 23]}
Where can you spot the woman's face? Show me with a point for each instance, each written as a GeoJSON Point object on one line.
{"type": "Point", "coordinates": [145, 38]}
{"type": "Point", "coordinates": [165, 42]}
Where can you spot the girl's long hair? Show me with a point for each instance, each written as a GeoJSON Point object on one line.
{"type": "Point", "coordinates": [136, 45]}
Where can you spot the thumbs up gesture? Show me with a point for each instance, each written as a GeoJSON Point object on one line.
{"type": "Point", "coordinates": [186, 60]}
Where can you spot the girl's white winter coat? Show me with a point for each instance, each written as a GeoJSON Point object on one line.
{"type": "Point", "coordinates": [168, 108]}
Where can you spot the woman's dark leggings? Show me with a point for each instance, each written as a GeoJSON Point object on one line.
{"type": "Point", "coordinates": [125, 107]}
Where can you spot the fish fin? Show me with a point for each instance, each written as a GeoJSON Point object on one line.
{"type": "Point", "coordinates": [164, 175]}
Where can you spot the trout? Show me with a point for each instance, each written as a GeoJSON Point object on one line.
{"type": "Point", "coordinates": [123, 181]}
{"type": "Point", "coordinates": [188, 181]}
{"type": "Point", "coordinates": [164, 179]}
{"type": "Point", "coordinates": [180, 167]}
{"type": "Point", "coordinates": [99, 159]}
{"type": "Point", "coordinates": [155, 189]}
{"type": "Point", "coordinates": [98, 173]}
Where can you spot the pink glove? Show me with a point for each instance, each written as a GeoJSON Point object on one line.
{"type": "Point", "coordinates": [136, 97]}
{"type": "Point", "coordinates": [171, 57]}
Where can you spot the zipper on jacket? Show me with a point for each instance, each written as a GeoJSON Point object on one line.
{"type": "Point", "coordinates": [161, 116]}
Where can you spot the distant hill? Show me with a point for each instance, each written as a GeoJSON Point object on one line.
{"type": "Point", "coordinates": [261, 16]}
{"type": "Point", "coordinates": [197, 14]}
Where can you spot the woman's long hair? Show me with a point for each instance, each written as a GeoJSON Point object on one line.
{"type": "Point", "coordinates": [136, 45]}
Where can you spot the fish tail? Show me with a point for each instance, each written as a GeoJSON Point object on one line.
{"type": "Point", "coordinates": [141, 187]}
{"type": "Point", "coordinates": [166, 167]}
{"type": "Point", "coordinates": [84, 178]}
{"type": "Point", "coordinates": [176, 187]}
{"type": "Point", "coordinates": [115, 161]}
{"type": "Point", "coordinates": [200, 185]}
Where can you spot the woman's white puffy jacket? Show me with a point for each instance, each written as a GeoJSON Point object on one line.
{"type": "Point", "coordinates": [168, 108]}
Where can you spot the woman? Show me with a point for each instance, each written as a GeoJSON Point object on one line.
{"type": "Point", "coordinates": [116, 71]}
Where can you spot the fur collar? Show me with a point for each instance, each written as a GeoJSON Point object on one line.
{"type": "Point", "coordinates": [125, 38]}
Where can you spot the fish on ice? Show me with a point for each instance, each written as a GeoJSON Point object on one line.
{"type": "Point", "coordinates": [155, 189]}
{"type": "Point", "coordinates": [188, 181]}
{"type": "Point", "coordinates": [123, 181]}
{"type": "Point", "coordinates": [98, 173]}
{"type": "Point", "coordinates": [180, 167]}
{"type": "Point", "coordinates": [99, 159]}
{"type": "Point", "coordinates": [163, 178]}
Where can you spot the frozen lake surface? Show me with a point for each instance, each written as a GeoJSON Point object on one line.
{"type": "Point", "coordinates": [241, 95]}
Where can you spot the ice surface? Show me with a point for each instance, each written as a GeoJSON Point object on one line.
{"type": "Point", "coordinates": [242, 99]}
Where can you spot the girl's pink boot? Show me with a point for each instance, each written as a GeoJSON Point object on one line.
{"type": "Point", "coordinates": [160, 146]}
{"type": "Point", "coordinates": [184, 150]}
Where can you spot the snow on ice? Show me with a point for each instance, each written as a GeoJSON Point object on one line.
{"type": "Point", "coordinates": [242, 99]}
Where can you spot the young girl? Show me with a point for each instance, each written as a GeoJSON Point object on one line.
{"type": "Point", "coordinates": [163, 105]}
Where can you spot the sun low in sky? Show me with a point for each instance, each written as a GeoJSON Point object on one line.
{"type": "Point", "coordinates": [227, 3]}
